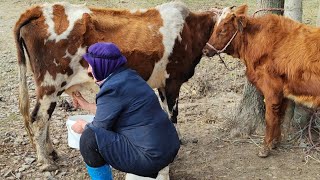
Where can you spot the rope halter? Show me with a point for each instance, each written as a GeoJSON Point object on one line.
{"type": "Point", "coordinates": [223, 49]}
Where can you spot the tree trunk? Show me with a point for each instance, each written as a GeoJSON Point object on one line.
{"type": "Point", "coordinates": [293, 9]}
{"type": "Point", "coordinates": [265, 4]}
{"type": "Point", "coordinates": [318, 18]}
{"type": "Point", "coordinates": [249, 117]}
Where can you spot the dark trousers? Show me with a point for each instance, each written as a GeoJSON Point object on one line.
{"type": "Point", "coordinates": [89, 149]}
{"type": "Point", "coordinates": [91, 155]}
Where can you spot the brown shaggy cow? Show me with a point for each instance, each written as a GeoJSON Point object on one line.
{"type": "Point", "coordinates": [163, 44]}
{"type": "Point", "coordinates": [282, 59]}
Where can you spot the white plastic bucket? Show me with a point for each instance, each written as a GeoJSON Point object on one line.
{"type": "Point", "coordinates": [73, 137]}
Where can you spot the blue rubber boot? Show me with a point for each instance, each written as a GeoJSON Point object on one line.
{"type": "Point", "coordinates": [100, 173]}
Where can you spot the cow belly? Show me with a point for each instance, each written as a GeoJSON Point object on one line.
{"type": "Point", "coordinates": [159, 74]}
{"type": "Point", "coordinates": [308, 101]}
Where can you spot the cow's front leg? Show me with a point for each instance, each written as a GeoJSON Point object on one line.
{"type": "Point", "coordinates": [40, 125]}
{"type": "Point", "coordinates": [274, 105]}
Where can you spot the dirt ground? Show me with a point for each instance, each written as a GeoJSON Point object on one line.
{"type": "Point", "coordinates": [207, 103]}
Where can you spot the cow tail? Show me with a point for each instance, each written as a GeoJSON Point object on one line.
{"type": "Point", "coordinates": [24, 103]}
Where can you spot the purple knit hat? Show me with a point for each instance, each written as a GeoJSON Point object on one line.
{"type": "Point", "coordinates": [104, 59]}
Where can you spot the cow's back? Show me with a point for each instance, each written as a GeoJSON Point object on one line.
{"type": "Point", "coordinates": [146, 37]}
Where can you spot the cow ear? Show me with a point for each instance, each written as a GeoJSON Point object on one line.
{"type": "Point", "coordinates": [216, 11]}
{"type": "Point", "coordinates": [241, 10]}
{"type": "Point", "coordinates": [241, 22]}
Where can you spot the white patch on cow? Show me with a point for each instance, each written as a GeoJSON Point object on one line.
{"type": "Point", "coordinates": [173, 15]}
{"type": "Point", "coordinates": [48, 80]}
{"type": "Point", "coordinates": [179, 38]}
{"type": "Point", "coordinates": [164, 103]}
{"type": "Point", "coordinates": [132, 11]}
{"type": "Point", "coordinates": [79, 75]}
{"type": "Point", "coordinates": [224, 14]}
{"type": "Point", "coordinates": [46, 102]}
{"type": "Point", "coordinates": [308, 104]}
{"type": "Point", "coordinates": [73, 12]}
{"type": "Point", "coordinates": [56, 82]}
{"type": "Point", "coordinates": [174, 107]}
{"type": "Point", "coordinates": [67, 55]}
{"type": "Point", "coordinates": [55, 62]}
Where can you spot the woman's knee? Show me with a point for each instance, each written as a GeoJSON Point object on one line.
{"type": "Point", "coordinates": [87, 141]}
{"type": "Point", "coordinates": [89, 149]}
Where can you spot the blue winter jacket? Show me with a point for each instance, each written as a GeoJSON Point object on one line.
{"type": "Point", "coordinates": [133, 132]}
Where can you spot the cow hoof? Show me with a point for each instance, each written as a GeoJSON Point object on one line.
{"type": "Point", "coordinates": [48, 167]}
{"type": "Point", "coordinates": [275, 144]}
{"type": "Point", "coordinates": [264, 152]}
{"type": "Point", "coordinates": [54, 155]}
{"type": "Point", "coordinates": [183, 141]}
{"type": "Point", "coordinates": [67, 106]}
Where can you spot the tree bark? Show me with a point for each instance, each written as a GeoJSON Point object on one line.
{"type": "Point", "coordinates": [249, 117]}
{"type": "Point", "coordinates": [293, 9]}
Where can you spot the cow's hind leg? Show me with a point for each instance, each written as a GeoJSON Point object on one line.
{"type": "Point", "coordinates": [52, 153]}
{"type": "Point", "coordinates": [170, 96]}
{"type": "Point", "coordinates": [277, 130]}
{"type": "Point", "coordinates": [40, 125]}
{"type": "Point", "coordinates": [164, 104]}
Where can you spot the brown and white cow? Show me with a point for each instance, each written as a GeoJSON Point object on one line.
{"type": "Point", "coordinates": [282, 60]}
{"type": "Point", "coordinates": [164, 44]}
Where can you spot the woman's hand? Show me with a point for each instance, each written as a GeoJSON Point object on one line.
{"type": "Point", "coordinates": [80, 102]}
{"type": "Point", "coordinates": [79, 126]}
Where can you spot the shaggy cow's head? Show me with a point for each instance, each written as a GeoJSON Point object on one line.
{"type": "Point", "coordinates": [230, 22]}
